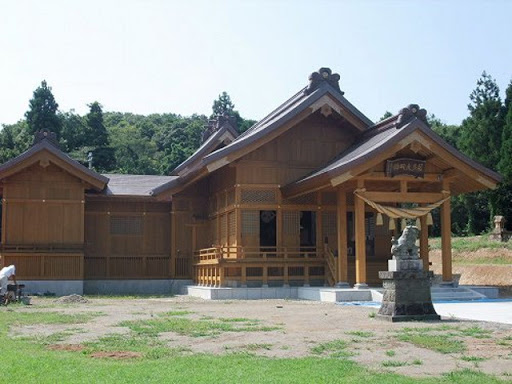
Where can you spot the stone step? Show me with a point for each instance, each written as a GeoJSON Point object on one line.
{"type": "Point", "coordinates": [455, 294]}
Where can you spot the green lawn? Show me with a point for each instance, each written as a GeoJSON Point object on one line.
{"type": "Point", "coordinates": [30, 361]}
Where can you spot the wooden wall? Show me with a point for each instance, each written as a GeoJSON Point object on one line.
{"type": "Point", "coordinates": [43, 223]}
{"type": "Point", "coordinates": [302, 149]}
{"type": "Point", "coordinates": [127, 239]}
{"type": "Point", "coordinates": [43, 206]}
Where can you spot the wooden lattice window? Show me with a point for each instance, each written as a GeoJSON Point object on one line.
{"type": "Point", "coordinates": [296, 271]}
{"type": "Point", "coordinates": [221, 200]}
{"type": "Point", "coordinates": [230, 197]}
{"type": "Point", "coordinates": [223, 228]}
{"type": "Point", "coordinates": [329, 223]}
{"type": "Point", "coordinates": [254, 196]}
{"type": "Point", "coordinates": [126, 225]}
{"type": "Point", "coordinates": [232, 224]}
{"type": "Point", "coordinates": [250, 222]}
{"type": "Point", "coordinates": [291, 222]}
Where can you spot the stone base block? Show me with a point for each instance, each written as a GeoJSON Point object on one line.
{"type": "Point", "coordinates": [407, 265]}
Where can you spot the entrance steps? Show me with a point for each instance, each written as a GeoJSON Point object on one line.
{"type": "Point", "coordinates": [461, 293]}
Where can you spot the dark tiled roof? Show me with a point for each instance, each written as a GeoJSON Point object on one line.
{"type": "Point", "coordinates": [134, 185]}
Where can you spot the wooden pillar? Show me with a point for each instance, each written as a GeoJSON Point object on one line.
{"type": "Point", "coordinates": [341, 226]}
{"type": "Point", "coordinates": [4, 219]}
{"type": "Point", "coordinates": [173, 245]}
{"type": "Point", "coordinates": [446, 241]}
{"type": "Point", "coordinates": [424, 242]}
{"type": "Point", "coordinates": [360, 234]}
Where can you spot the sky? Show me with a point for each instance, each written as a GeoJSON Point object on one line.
{"type": "Point", "coordinates": [178, 56]}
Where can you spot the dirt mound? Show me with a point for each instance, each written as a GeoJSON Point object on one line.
{"type": "Point", "coordinates": [116, 355]}
{"type": "Point", "coordinates": [72, 299]}
{"type": "Point", "coordinates": [67, 347]}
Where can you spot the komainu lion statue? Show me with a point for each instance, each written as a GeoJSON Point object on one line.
{"type": "Point", "coordinates": [405, 247]}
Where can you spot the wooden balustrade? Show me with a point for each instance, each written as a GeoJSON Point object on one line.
{"type": "Point", "coordinates": [45, 266]}
{"type": "Point", "coordinates": [217, 266]}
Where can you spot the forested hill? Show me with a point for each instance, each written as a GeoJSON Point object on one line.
{"type": "Point", "coordinates": [157, 143]}
{"type": "Point", "coordinates": [120, 142]}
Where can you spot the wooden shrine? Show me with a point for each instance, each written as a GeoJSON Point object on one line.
{"type": "Point", "coordinates": [310, 195]}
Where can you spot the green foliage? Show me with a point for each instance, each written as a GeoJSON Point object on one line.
{"type": "Point", "coordinates": [42, 113]}
{"type": "Point", "coordinates": [224, 106]}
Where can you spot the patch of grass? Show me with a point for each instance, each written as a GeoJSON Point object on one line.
{"type": "Point", "coordinates": [390, 353]}
{"type": "Point", "coordinates": [503, 343]}
{"type": "Point", "coordinates": [372, 315]}
{"type": "Point", "coordinates": [194, 328]}
{"type": "Point", "coordinates": [475, 332]}
{"type": "Point", "coordinates": [438, 343]}
{"type": "Point", "coordinates": [29, 318]}
{"type": "Point", "coordinates": [475, 359]}
{"type": "Point", "coordinates": [417, 362]}
{"type": "Point", "coordinates": [394, 363]}
{"type": "Point", "coordinates": [257, 347]}
{"type": "Point", "coordinates": [334, 348]}
{"type": "Point", "coordinates": [176, 313]}
{"type": "Point", "coordinates": [360, 333]}
{"type": "Point", "coordinates": [471, 244]}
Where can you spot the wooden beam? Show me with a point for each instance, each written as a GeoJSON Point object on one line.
{"type": "Point", "coordinates": [401, 197]}
{"type": "Point", "coordinates": [360, 233]}
{"type": "Point", "coordinates": [446, 238]}
{"type": "Point", "coordinates": [381, 176]}
{"type": "Point", "coordinates": [341, 216]}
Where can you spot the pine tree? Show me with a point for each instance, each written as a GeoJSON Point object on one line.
{"type": "Point", "coordinates": [480, 135]}
{"type": "Point", "coordinates": [96, 133]}
{"type": "Point", "coordinates": [480, 139]}
{"type": "Point", "coordinates": [505, 164]}
{"type": "Point", "coordinates": [42, 113]}
{"type": "Point", "coordinates": [223, 106]}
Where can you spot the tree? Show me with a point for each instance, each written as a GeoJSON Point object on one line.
{"type": "Point", "coordinates": [505, 164]}
{"type": "Point", "coordinates": [96, 133]}
{"type": "Point", "coordinates": [480, 138]}
{"type": "Point", "coordinates": [481, 131]}
{"type": "Point", "coordinates": [223, 106]}
{"type": "Point", "coordinates": [42, 113]}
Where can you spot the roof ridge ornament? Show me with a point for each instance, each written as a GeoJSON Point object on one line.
{"type": "Point", "coordinates": [408, 113]}
{"type": "Point", "coordinates": [217, 123]}
{"type": "Point", "coordinates": [46, 134]}
{"type": "Point", "coordinates": [324, 75]}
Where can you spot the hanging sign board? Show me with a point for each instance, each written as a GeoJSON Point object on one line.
{"type": "Point", "coordinates": [405, 166]}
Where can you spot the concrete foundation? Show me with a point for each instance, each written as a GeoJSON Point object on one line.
{"type": "Point", "coordinates": [135, 287]}
{"type": "Point", "coordinates": [301, 293]}
{"type": "Point", "coordinates": [55, 287]}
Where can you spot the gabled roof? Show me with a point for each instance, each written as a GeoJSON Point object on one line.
{"type": "Point", "coordinates": [224, 133]}
{"type": "Point", "coordinates": [376, 141]}
{"type": "Point", "coordinates": [57, 157]}
{"type": "Point", "coordinates": [286, 112]}
{"type": "Point", "coordinates": [134, 185]}
{"type": "Point", "coordinates": [323, 88]}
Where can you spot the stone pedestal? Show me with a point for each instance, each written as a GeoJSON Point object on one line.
{"type": "Point", "coordinates": [407, 296]}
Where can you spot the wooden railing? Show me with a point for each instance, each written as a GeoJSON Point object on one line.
{"type": "Point", "coordinates": [45, 266]}
{"type": "Point", "coordinates": [240, 265]}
